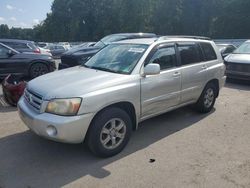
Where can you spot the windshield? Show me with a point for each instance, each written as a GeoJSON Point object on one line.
{"type": "Point", "coordinates": [109, 39]}
{"type": "Point", "coordinates": [117, 58]}
{"type": "Point", "coordinates": [243, 49]}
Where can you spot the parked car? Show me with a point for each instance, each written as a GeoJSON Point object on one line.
{"type": "Point", "coordinates": [238, 63]}
{"type": "Point", "coordinates": [45, 51]}
{"type": "Point", "coordinates": [125, 83]}
{"type": "Point", "coordinates": [56, 50]}
{"type": "Point", "coordinates": [66, 45]}
{"type": "Point", "coordinates": [25, 64]}
{"type": "Point", "coordinates": [226, 49]}
{"type": "Point", "coordinates": [21, 45]}
{"type": "Point", "coordinates": [78, 56]}
{"type": "Point", "coordinates": [83, 45]}
{"type": "Point", "coordinates": [42, 44]}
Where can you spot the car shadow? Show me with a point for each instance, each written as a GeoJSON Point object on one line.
{"type": "Point", "coordinates": [30, 161]}
{"type": "Point", "coordinates": [243, 85]}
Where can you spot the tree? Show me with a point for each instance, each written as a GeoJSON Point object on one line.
{"type": "Point", "coordinates": [90, 20]}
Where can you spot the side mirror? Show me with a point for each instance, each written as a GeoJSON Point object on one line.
{"type": "Point", "coordinates": [10, 53]}
{"type": "Point", "coordinates": [152, 69]}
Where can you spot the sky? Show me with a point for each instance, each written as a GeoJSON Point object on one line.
{"type": "Point", "coordinates": [23, 13]}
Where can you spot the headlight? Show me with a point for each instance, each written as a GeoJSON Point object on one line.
{"type": "Point", "coordinates": [64, 107]}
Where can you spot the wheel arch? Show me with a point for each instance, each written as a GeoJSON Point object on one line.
{"type": "Point", "coordinates": [128, 107]}
{"type": "Point", "coordinates": [38, 61]}
{"type": "Point", "coordinates": [215, 82]}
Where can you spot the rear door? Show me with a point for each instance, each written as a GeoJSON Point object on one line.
{"type": "Point", "coordinates": [10, 64]}
{"type": "Point", "coordinates": [4, 61]}
{"type": "Point", "coordinates": [193, 70]}
{"type": "Point", "coordinates": [161, 92]}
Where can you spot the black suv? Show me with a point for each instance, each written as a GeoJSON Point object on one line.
{"type": "Point", "coordinates": [79, 56]}
{"type": "Point", "coordinates": [25, 64]}
{"type": "Point", "coordinates": [21, 45]}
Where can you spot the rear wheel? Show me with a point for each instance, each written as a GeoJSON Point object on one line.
{"type": "Point", "coordinates": [109, 132]}
{"type": "Point", "coordinates": [38, 69]}
{"type": "Point", "coordinates": [207, 99]}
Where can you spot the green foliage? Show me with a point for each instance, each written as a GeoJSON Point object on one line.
{"type": "Point", "coordinates": [89, 20]}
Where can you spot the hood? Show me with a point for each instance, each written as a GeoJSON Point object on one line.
{"type": "Point", "coordinates": [83, 50]}
{"type": "Point", "coordinates": [74, 82]}
{"type": "Point", "coordinates": [238, 58]}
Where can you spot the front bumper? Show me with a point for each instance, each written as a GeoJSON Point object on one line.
{"type": "Point", "coordinates": [238, 75]}
{"type": "Point", "coordinates": [68, 129]}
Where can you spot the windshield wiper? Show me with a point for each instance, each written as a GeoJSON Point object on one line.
{"type": "Point", "coordinates": [103, 43]}
{"type": "Point", "coordinates": [104, 69]}
{"type": "Point", "coordinates": [84, 65]}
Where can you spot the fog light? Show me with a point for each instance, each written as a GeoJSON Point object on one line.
{"type": "Point", "coordinates": [51, 130]}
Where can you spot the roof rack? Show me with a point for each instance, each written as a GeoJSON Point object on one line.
{"type": "Point", "coordinates": [183, 36]}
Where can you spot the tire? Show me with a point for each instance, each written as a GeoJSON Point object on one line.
{"type": "Point", "coordinates": [38, 69]}
{"type": "Point", "coordinates": [207, 99]}
{"type": "Point", "coordinates": [110, 123]}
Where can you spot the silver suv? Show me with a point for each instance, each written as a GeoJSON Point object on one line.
{"type": "Point", "coordinates": [125, 83]}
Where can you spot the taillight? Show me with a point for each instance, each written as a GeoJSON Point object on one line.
{"type": "Point", "coordinates": [37, 50]}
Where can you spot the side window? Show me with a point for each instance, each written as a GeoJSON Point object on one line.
{"type": "Point", "coordinates": [229, 49]}
{"type": "Point", "coordinates": [16, 45]}
{"type": "Point", "coordinates": [3, 52]}
{"type": "Point", "coordinates": [208, 51]}
{"type": "Point", "coordinates": [60, 48]}
{"type": "Point", "coordinates": [10, 44]}
{"type": "Point", "coordinates": [189, 54]}
{"type": "Point", "coordinates": [165, 57]}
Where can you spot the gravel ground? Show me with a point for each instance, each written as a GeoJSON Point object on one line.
{"type": "Point", "coordinates": [177, 149]}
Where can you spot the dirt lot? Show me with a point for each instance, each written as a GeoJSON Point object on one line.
{"type": "Point", "coordinates": [189, 149]}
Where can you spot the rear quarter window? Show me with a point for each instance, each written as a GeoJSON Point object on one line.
{"type": "Point", "coordinates": [208, 50]}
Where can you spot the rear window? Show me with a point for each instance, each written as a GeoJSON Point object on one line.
{"type": "Point", "coordinates": [32, 45]}
{"type": "Point", "coordinates": [208, 50]}
{"type": "Point", "coordinates": [189, 53]}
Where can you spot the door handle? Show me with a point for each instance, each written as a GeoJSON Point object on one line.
{"type": "Point", "coordinates": [204, 67]}
{"type": "Point", "coordinates": [176, 74]}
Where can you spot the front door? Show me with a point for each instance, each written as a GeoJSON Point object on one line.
{"type": "Point", "coordinates": [9, 64]}
{"type": "Point", "coordinates": [161, 92]}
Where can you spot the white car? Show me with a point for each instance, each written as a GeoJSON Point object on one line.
{"type": "Point", "coordinates": [45, 51]}
{"type": "Point", "coordinates": [125, 83]}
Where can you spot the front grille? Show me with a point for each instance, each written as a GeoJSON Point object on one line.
{"type": "Point", "coordinates": [239, 67]}
{"type": "Point", "coordinates": [33, 99]}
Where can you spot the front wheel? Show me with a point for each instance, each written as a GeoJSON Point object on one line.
{"type": "Point", "coordinates": [38, 69]}
{"type": "Point", "coordinates": [207, 99]}
{"type": "Point", "coordinates": [109, 132]}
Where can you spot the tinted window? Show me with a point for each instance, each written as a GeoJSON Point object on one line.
{"type": "Point", "coordinates": [229, 49]}
{"type": "Point", "coordinates": [189, 53]}
{"type": "Point", "coordinates": [208, 51]}
{"type": "Point", "coordinates": [3, 52]}
{"type": "Point", "coordinates": [16, 45]}
{"type": "Point", "coordinates": [31, 45]}
{"type": "Point", "coordinates": [165, 57]}
{"type": "Point", "coordinates": [59, 47]}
